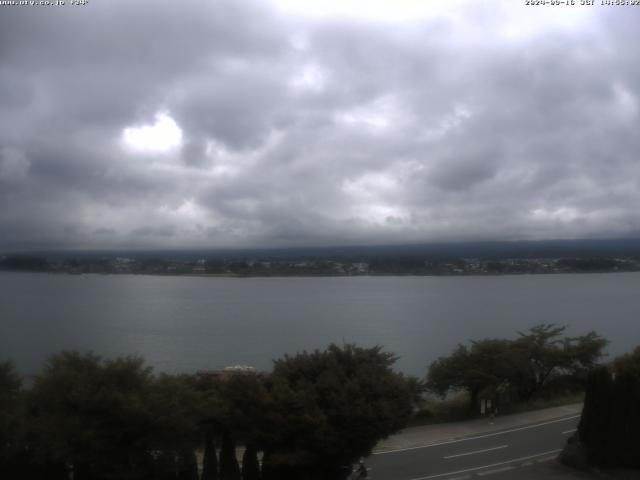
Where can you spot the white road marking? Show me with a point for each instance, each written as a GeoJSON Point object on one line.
{"type": "Point", "coordinates": [476, 451]}
{"type": "Point", "coordinates": [495, 470]}
{"type": "Point", "coordinates": [448, 442]}
{"type": "Point", "coordinates": [545, 459]}
{"type": "Point", "coordinates": [569, 431]}
{"type": "Point", "coordinates": [488, 466]}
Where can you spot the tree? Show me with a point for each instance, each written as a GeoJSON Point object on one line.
{"type": "Point", "coordinates": [210, 419]}
{"type": "Point", "coordinates": [187, 465]}
{"type": "Point", "coordinates": [624, 443]}
{"type": "Point", "coordinates": [243, 399]}
{"type": "Point", "coordinates": [174, 403]}
{"type": "Point", "coordinates": [611, 415]}
{"type": "Point", "coordinates": [250, 464]}
{"type": "Point", "coordinates": [593, 429]}
{"type": "Point", "coordinates": [209, 459]}
{"type": "Point", "coordinates": [165, 465]}
{"type": "Point", "coordinates": [543, 354]}
{"type": "Point", "coordinates": [10, 416]}
{"type": "Point", "coordinates": [92, 414]}
{"type": "Point", "coordinates": [229, 468]}
{"type": "Point", "coordinates": [623, 446]}
{"type": "Point", "coordinates": [328, 408]}
{"type": "Point", "coordinates": [487, 364]}
{"type": "Point", "coordinates": [629, 363]}
{"type": "Point", "coordinates": [243, 404]}
{"type": "Point", "coordinates": [525, 366]}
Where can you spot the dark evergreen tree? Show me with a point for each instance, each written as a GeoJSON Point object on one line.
{"type": "Point", "coordinates": [10, 419]}
{"type": "Point", "coordinates": [229, 468]}
{"type": "Point", "coordinates": [243, 414]}
{"type": "Point", "coordinates": [165, 466]}
{"type": "Point", "coordinates": [593, 429]}
{"type": "Point", "coordinates": [210, 414]}
{"type": "Point", "coordinates": [267, 471]}
{"type": "Point", "coordinates": [625, 422]}
{"type": "Point", "coordinates": [622, 434]}
{"type": "Point", "coordinates": [250, 464]}
{"type": "Point", "coordinates": [611, 414]}
{"type": "Point", "coordinates": [187, 465]}
{"type": "Point", "coordinates": [210, 458]}
{"type": "Point", "coordinates": [174, 404]}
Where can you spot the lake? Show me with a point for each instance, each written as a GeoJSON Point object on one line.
{"type": "Point", "coordinates": [190, 323]}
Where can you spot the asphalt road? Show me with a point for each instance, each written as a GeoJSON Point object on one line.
{"type": "Point", "coordinates": [497, 454]}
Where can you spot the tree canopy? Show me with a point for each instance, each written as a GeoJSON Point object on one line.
{"type": "Point", "coordinates": [92, 414]}
{"type": "Point", "coordinates": [485, 364]}
{"type": "Point", "coordinates": [524, 367]}
{"type": "Point", "coordinates": [331, 407]}
{"type": "Point", "coordinates": [10, 384]}
{"type": "Point", "coordinates": [107, 419]}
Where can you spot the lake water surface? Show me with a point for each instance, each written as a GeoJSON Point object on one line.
{"type": "Point", "coordinates": [190, 323]}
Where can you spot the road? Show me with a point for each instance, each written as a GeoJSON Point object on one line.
{"type": "Point", "coordinates": [498, 454]}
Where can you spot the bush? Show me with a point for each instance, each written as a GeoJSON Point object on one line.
{"type": "Point", "coordinates": [574, 455]}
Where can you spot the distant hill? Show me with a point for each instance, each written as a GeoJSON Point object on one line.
{"type": "Point", "coordinates": [485, 250]}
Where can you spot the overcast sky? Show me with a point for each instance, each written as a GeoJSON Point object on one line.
{"type": "Point", "coordinates": [196, 123]}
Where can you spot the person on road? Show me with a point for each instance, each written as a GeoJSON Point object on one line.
{"type": "Point", "coordinates": [492, 415]}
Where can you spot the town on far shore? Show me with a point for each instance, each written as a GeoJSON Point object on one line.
{"type": "Point", "coordinates": [480, 258]}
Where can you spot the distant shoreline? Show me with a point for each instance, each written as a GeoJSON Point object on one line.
{"type": "Point", "coordinates": [358, 262]}
{"type": "Point", "coordinates": [309, 275]}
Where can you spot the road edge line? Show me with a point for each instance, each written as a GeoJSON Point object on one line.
{"type": "Point", "coordinates": [506, 462]}
{"type": "Point", "coordinates": [466, 439]}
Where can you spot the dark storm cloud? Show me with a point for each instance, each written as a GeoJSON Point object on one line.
{"type": "Point", "coordinates": [297, 129]}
